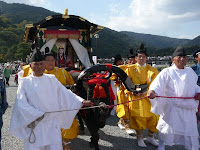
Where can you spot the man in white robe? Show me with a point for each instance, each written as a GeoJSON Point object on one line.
{"type": "Point", "coordinates": [39, 110]}
{"type": "Point", "coordinates": [177, 122]}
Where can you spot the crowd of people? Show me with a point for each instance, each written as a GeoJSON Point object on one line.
{"type": "Point", "coordinates": [11, 68]}
{"type": "Point", "coordinates": [168, 105]}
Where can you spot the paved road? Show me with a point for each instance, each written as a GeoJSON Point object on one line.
{"type": "Point", "coordinates": [111, 137]}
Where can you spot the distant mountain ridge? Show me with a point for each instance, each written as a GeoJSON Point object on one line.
{"type": "Point", "coordinates": [112, 42]}
{"type": "Point", "coordinates": [156, 40]}
{"type": "Point", "coordinates": [13, 18]}
{"type": "Point", "coordinates": [195, 41]}
{"type": "Point", "coordinates": [17, 13]}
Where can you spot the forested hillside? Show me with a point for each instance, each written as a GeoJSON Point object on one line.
{"type": "Point", "coordinates": [111, 42]}
{"type": "Point", "coordinates": [18, 13]}
{"type": "Point", "coordinates": [11, 37]}
{"type": "Point", "coordinates": [13, 18]}
{"type": "Point", "coordinates": [157, 41]}
{"type": "Point", "coordinates": [195, 41]}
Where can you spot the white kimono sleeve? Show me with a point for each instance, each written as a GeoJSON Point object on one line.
{"type": "Point", "coordinates": [197, 89]}
{"type": "Point", "coordinates": [159, 85]}
{"type": "Point", "coordinates": [68, 101]}
{"type": "Point", "coordinates": [22, 114]}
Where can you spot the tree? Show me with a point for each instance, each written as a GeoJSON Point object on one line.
{"type": "Point", "coordinates": [3, 51]}
{"type": "Point", "coordinates": [10, 54]}
{"type": "Point", "coordinates": [23, 49]}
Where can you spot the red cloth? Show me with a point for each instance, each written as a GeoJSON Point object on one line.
{"type": "Point", "coordinates": [99, 92]}
{"type": "Point", "coordinates": [112, 95]}
{"type": "Point", "coordinates": [108, 65]}
{"type": "Point", "coordinates": [96, 80]}
{"type": "Point", "coordinates": [16, 77]}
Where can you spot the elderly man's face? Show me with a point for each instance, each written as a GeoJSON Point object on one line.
{"type": "Point", "coordinates": [38, 68]}
{"type": "Point", "coordinates": [180, 61]}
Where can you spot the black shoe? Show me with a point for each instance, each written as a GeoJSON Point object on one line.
{"type": "Point", "coordinates": [91, 145]}
{"type": "Point", "coordinates": [96, 147]}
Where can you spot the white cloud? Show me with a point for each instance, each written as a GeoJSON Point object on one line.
{"type": "Point", "coordinates": [29, 2]}
{"type": "Point", "coordinates": [181, 16]}
{"type": "Point", "coordinates": [155, 16]}
{"type": "Point", "coordinates": [183, 36]}
{"type": "Point", "coordinates": [114, 8]}
{"type": "Point", "coordinates": [160, 17]}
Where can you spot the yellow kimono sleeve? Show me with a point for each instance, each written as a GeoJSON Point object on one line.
{"type": "Point", "coordinates": [27, 70]}
{"type": "Point", "coordinates": [153, 72]}
{"type": "Point", "coordinates": [72, 132]}
{"type": "Point", "coordinates": [69, 79]}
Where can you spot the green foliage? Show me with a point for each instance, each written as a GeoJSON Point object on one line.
{"type": "Point", "coordinates": [13, 18]}
{"type": "Point", "coordinates": [3, 50]}
{"type": "Point", "coordinates": [4, 22]}
{"type": "Point", "coordinates": [10, 55]}
{"type": "Point", "coordinates": [15, 52]}
{"type": "Point", "coordinates": [17, 13]}
{"type": "Point", "coordinates": [22, 50]}
{"type": "Point", "coordinates": [11, 37]}
{"type": "Point", "coordinates": [111, 42]}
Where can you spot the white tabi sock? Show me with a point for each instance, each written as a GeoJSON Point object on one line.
{"type": "Point", "coordinates": [152, 141]}
{"type": "Point", "coordinates": [161, 145]}
{"type": "Point", "coordinates": [141, 143]}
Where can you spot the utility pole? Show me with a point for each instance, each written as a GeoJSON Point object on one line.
{"type": "Point", "coordinates": [96, 36]}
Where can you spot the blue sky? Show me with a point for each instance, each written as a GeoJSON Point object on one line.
{"type": "Point", "coordinates": [172, 18]}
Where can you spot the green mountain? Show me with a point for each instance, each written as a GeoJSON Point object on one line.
{"type": "Point", "coordinates": [5, 22]}
{"type": "Point", "coordinates": [17, 13]}
{"type": "Point", "coordinates": [13, 18]}
{"type": "Point", "coordinates": [156, 40]}
{"type": "Point", "coordinates": [111, 42]}
{"type": "Point", "coordinates": [11, 45]}
{"type": "Point", "coordinates": [195, 41]}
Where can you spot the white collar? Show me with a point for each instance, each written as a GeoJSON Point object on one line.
{"type": "Point", "coordinates": [176, 68]}
{"type": "Point", "coordinates": [141, 65]}
{"type": "Point", "coordinates": [35, 76]}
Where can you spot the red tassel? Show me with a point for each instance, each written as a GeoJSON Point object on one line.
{"type": "Point", "coordinates": [99, 92]}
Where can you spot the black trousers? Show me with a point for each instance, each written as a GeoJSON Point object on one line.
{"type": "Point", "coordinates": [93, 125]}
{"type": "Point", "coordinates": [7, 80]}
{"type": "Point", "coordinates": [1, 125]}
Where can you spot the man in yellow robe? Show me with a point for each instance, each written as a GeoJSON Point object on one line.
{"type": "Point", "coordinates": [123, 109]}
{"type": "Point", "coordinates": [140, 116]}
